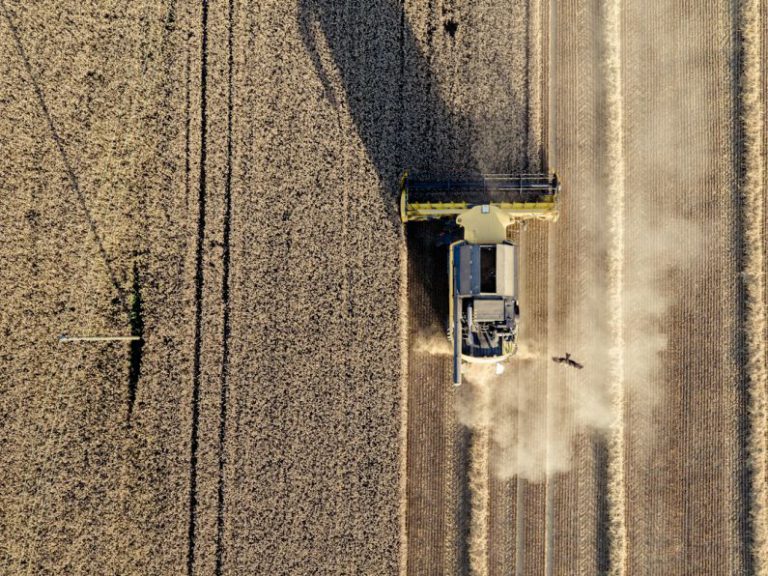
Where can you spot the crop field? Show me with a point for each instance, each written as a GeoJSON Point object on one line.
{"type": "Point", "coordinates": [220, 178]}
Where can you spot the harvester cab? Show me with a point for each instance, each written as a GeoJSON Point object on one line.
{"type": "Point", "coordinates": [483, 304]}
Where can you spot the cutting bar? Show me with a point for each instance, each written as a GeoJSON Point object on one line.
{"type": "Point", "coordinates": [521, 196]}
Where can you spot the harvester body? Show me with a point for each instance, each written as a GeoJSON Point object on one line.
{"type": "Point", "coordinates": [483, 307]}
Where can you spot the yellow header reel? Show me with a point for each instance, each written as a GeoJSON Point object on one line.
{"type": "Point", "coordinates": [520, 196]}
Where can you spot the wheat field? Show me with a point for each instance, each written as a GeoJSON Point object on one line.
{"type": "Point", "coordinates": [220, 179]}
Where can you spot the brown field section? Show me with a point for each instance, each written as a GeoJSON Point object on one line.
{"type": "Point", "coordinates": [313, 419]}
{"type": "Point", "coordinates": [96, 182]}
{"type": "Point", "coordinates": [685, 500]}
{"type": "Point", "coordinates": [234, 166]}
{"type": "Point", "coordinates": [684, 469]}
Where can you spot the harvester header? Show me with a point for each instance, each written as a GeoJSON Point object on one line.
{"type": "Point", "coordinates": [483, 297]}
{"type": "Point", "coordinates": [521, 196]}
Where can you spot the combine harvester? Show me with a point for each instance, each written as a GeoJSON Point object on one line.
{"type": "Point", "coordinates": [483, 309]}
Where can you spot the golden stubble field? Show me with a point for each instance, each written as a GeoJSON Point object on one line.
{"type": "Point", "coordinates": [221, 178]}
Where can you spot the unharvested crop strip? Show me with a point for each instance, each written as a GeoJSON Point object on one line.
{"type": "Point", "coordinates": [73, 181]}
{"type": "Point", "coordinates": [198, 295]}
{"type": "Point", "coordinates": [753, 273]}
{"type": "Point", "coordinates": [225, 300]}
{"type": "Point", "coordinates": [534, 150]}
{"type": "Point", "coordinates": [479, 487]}
{"type": "Point", "coordinates": [550, 159]}
{"type": "Point", "coordinates": [528, 80]}
{"type": "Point", "coordinates": [611, 66]}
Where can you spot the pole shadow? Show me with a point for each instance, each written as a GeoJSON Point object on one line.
{"type": "Point", "coordinates": [137, 346]}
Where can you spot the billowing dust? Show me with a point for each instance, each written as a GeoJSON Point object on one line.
{"type": "Point", "coordinates": [432, 341]}
{"type": "Point", "coordinates": [578, 401]}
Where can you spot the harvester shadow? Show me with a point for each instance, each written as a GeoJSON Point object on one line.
{"type": "Point", "coordinates": [393, 98]}
{"type": "Point", "coordinates": [603, 544]}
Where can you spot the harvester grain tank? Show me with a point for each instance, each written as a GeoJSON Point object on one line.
{"type": "Point", "coordinates": [483, 306]}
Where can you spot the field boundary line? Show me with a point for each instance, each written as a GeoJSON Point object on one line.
{"type": "Point", "coordinates": [405, 322]}
{"type": "Point", "coordinates": [753, 269]}
{"type": "Point", "coordinates": [404, 354]}
{"type": "Point", "coordinates": [550, 156]}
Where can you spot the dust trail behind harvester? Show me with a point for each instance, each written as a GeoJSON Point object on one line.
{"type": "Point", "coordinates": [478, 386]}
{"type": "Point", "coordinates": [432, 342]}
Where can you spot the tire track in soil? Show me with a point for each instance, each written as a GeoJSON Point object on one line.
{"type": "Point", "coordinates": [225, 288]}
{"type": "Point", "coordinates": [199, 252]}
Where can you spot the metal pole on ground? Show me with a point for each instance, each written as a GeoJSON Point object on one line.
{"type": "Point", "coordinates": [65, 338]}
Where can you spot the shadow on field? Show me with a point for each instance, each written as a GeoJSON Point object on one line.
{"type": "Point", "coordinates": [394, 101]}
{"type": "Point", "coordinates": [137, 346]}
{"type": "Point", "coordinates": [603, 547]}
{"type": "Point", "coordinates": [392, 95]}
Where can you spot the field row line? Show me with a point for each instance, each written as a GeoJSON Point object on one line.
{"type": "Point", "coordinates": [199, 257]}
{"type": "Point", "coordinates": [225, 286]}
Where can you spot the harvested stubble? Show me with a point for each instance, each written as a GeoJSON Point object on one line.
{"type": "Point", "coordinates": [682, 463]}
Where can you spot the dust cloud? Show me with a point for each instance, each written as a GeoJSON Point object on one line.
{"type": "Point", "coordinates": [619, 328]}
{"type": "Point", "coordinates": [531, 433]}
{"type": "Point", "coordinates": [432, 341]}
